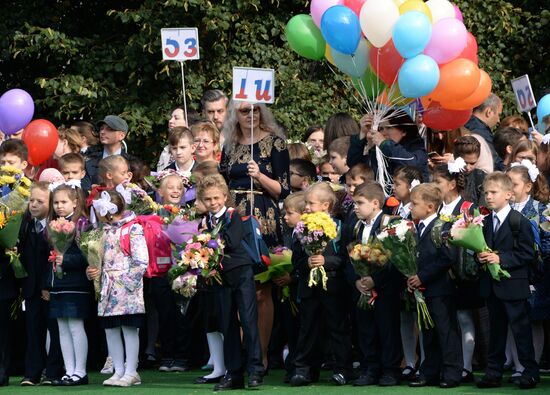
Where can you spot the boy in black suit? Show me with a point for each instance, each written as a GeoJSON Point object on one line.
{"type": "Point", "coordinates": [238, 295]}
{"type": "Point", "coordinates": [507, 298]}
{"type": "Point", "coordinates": [378, 327]}
{"type": "Point", "coordinates": [442, 344]}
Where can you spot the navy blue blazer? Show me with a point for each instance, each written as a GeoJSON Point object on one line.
{"type": "Point", "coordinates": [514, 260]}
{"type": "Point", "coordinates": [232, 233]}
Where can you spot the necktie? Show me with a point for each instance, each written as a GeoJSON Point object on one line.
{"type": "Point", "coordinates": [213, 221]}
{"type": "Point", "coordinates": [496, 224]}
{"type": "Point", "coordinates": [38, 226]}
{"type": "Point", "coordinates": [421, 227]}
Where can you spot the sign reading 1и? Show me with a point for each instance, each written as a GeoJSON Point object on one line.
{"type": "Point", "coordinates": [180, 43]}
{"type": "Point", "coordinates": [524, 93]}
{"type": "Point", "coordinates": [253, 85]}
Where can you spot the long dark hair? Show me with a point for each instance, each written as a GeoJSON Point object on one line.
{"type": "Point", "coordinates": [443, 172]}
{"type": "Point", "coordinates": [75, 194]}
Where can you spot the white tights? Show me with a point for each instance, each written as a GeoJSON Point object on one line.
{"type": "Point", "coordinates": [408, 338]}
{"type": "Point", "coordinates": [116, 349]}
{"type": "Point", "coordinates": [468, 330]}
{"type": "Point", "coordinates": [538, 344]}
{"type": "Point", "coordinates": [74, 345]}
{"type": "Point", "coordinates": [215, 345]}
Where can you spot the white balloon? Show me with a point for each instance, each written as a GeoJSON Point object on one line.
{"type": "Point", "coordinates": [441, 9]}
{"type": "Point", "coordinates": [377, 18]}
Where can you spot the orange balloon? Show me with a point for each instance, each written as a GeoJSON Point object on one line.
{"type": "Point", "coordinates": [475, 99]}
{"type": "Point", "coordinates": [457, 81]}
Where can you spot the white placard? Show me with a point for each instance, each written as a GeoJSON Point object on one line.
{"type": "Point", "coordinates": [180, 43]}
{"type": "Point", "coordinates": [524, 93]}
{"type": "Point", "coordinates": [253, 85]}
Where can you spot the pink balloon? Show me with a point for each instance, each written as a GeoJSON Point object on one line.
{"type": "Point", "coordinates": [318, 8]}
{"type": "Point", "coordinates": [458, 13]}
{"type": "Point", "coordinates": [449, 37]}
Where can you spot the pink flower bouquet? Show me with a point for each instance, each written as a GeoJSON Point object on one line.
{"type": "Point", "coordinates": [61, 233]}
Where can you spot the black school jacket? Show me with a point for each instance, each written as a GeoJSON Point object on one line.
{"type": "Point", "coordinates": [232, 233]}
{"type": "Point", "coordinates": [513, 260]}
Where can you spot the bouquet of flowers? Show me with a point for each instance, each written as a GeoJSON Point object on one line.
{"type": "Point", "coordinates": [368, 259]}
{"type": "Point", "coordinates": [398, 237]}
{"type": "Point", "coordinates": [281, 263]}
{"type": "Point", "coordinates": [61, 233]}
{"type": "Point", "coordinates": [317, 156]}
{"type": "Point", "coordinates": [315, 231]}
{"type": "Point", "coordinates": [91, 244]}
{"type": "Point", "coordinates": [185, 284]}
{"type": "Point", "coordinates": [137, 200]}
{"type": "Point", "coordinates": [15, 191]}
{"type": "Point", "coordinates": [467, 232]}
{"type": "Point", "coordinates": [169, 212]}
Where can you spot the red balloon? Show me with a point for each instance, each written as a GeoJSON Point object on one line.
{"type": "Point", "coordinates": [470, 51]}
{"type": "Point", "coordinates": [40, 137]}
{"type": "Point", "coordinates": [355, 5]}
{"type": "Point", "coordinates": [386, 62]}
{"type": "Point", "coordinates": [439, 118]}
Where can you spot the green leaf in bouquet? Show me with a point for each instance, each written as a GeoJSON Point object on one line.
{"type": "Point", "coordinates": [10, 232]}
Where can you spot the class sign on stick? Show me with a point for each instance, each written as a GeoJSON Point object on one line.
{"type": "Point", "coordinates": [253, 85]}
{"type": "Point", "coordinates": [180, 43]}
{"type": "Point", "coordinates": [524, 93]}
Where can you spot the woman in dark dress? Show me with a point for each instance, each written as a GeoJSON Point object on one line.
{"type": "Point", "coordinates": [268, 169]}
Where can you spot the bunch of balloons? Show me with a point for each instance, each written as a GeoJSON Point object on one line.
{"type": "Point", "coordinates": [398, 49]}
{"type": "Point", "coordinates": [40, 135]}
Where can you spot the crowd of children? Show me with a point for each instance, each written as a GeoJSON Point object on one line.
{"type": "Point", "coordinates": [478, 321]}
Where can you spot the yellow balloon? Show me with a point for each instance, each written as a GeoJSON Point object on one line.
{"type": "Point", "coordinates": [399, 2]}
{"type": "Point", "coordinates": [328, 55]}
{"type": "Point", "coordinates": [415, 5]}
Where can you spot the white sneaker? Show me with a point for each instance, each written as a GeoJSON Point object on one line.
{"type": "Point", "coordinates": [113, 379]}
{"type": "Point", "coordinates": [128, 380]}
{"type": "Point", "coordinates": [108, 367]}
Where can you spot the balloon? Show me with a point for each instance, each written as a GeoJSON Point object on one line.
{"type": "Point", "coordinates": [377, 19]}
{"type": "Point", "coordinates": [305, 38]}
{"type": "Point", "coordinates": [328, 55]}
{"type": "Point", "coordinates": [449, 37]}
{"type": "Point", "coordinates": [16, 110]}
{"type": "Point", "coordinates": [386, 62]}
{"type": "Point", "coordinates": [368, 85]}
{"type": "Point", "coordinates": [543, 108]}
{"type": "Point", "coordinates": [411, 33]}
{"type": "Point", "coordinates": [458, 14]}
{"type": "Point", "coordinates": [439, 118]}
{"type": "Point", "coordinates": [458, 80]}
{"type": "Point", "coordinates": [470, 51]}
{"type": "Point", "coordinates": [354, 65]}
{"type": "Point", "coordinates": [475, 99]}
{"type": "Point", "coordinates": [398, 3]}
{"type": "Point", "coordinates": [341, 29]}
{"type": "Point", "coordinates": [418, 76]}
{"type": "Point", "coordinates": [440, 9]}
{"type": "Point", "coordinates": [318, 8]}
{"type": "Point", "coordinates": [354, 5]}
{"type": "Point", "coordinates": [392, 96]}
{"type": "Point", "coordinates": [40, 137]}
{"type": "Point", "coordinates": [415, 5]}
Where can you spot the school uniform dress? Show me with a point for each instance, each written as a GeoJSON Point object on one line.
{"type": "Point", "coordinates": [442, 344]}
{"type": "Point", "coordinates": [507, 298]}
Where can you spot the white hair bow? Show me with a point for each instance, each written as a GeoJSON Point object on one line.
{"type": "Point", "coordinates": [414, 183]}
{"type": "Point", "coordinates": [531, 168]}
{"type": "Point", "coordinates": [546, 139]}
{"type": "Point", "coordinates": [104, 204]}
{"type": "Point", "coordinates": [71, 183]}
{"type": "Point", "coordinates": [457, 166]}
{"type": "Point", "coordinates": [126, 195]}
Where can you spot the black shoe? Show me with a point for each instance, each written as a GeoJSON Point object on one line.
{"type": "Point", "coordinates": [46, 381]}
{"type": "Point", "coordinates": [179, 366]}
{"type": "Point", "coordinates": [4, 381]}
{"type": "Point", "coordinates": [527, 383]}
{"type": "Point", "coordinates": [229, 383]}
{"type": "Point", "coordinates": [467, 376]}
{"type": "Point", "coordinates": [489, 382]}
{"type": "Point", "coordinates": [299, 380]}
{"type": "Point", "coordinates": [61, 381]}
{"type": "Point", "coordinates": [27, 382]}
{"type": "Point", "coordinates": [422, 382]}
{"type": "Point", "coordinates": [449, 384]}
{"type": "Point", "coordinates": [365, 379]}
{"type": "Point", "coordinates": [77, 380]}
{"type": "Point", "coordinates": [408, 373]}
{"type": "Point", "coordinates": [514, 379]}
{"type": "Point", "coordinates": [255, 380]}
{"type": "Point", "coordinates": [204, 380]}
{"type": "Point", "coordinates": [388, 380]}
{"type": "Point", "coordinates": [286, 380]}
{"type": "Point", "coordinates": [338, 379]}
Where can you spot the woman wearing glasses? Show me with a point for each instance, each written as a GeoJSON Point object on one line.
{"type": "Point", "coordinates": [207, 140]}
{"type": "Point", "coordinates": [253, 125]}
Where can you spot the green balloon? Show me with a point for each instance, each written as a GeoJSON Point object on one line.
{"type": "Point", "coordinates": [305, 38]}
{"type": "Point", "coordinates": [369, 84]}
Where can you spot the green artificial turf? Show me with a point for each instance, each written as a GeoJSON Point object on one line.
{"type": "Point", "coordinates": [156, 383]}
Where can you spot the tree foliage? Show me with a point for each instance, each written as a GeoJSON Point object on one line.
{"type": "Point", "coordinates": [87, 59]}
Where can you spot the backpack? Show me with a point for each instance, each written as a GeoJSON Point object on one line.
{"type": "Point", "coordinates": [158, 244]}
{"type": "Point", "coordinates": [252, 242]}
{"type": "Point", "coordinates": [536, 266]}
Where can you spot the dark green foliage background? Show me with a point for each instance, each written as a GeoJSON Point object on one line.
{"type": "Point", "coordinates": [87, 59]}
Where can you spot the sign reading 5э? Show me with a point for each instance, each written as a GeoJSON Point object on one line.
{"type": "Point", "coordinates": [180, 43]}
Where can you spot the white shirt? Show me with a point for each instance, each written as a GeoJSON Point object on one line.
{"type": "Point", "coordinates": [404, 211]}
{"type": "Point", "coordinates": [218, 215]}
{"type": "Point", "coordinates": [105, 154]}
{"type": "Point", "coordinates": [368, 228]}
{"type": "Point", "coordinates": [448, 209]}
{"type": "Point", "coordinates": [520, 206]}
{"type": "Point", "coordinates": [427, 222]}
{"type": "Point", "coordinates": [188, 171]}
{"type": "Point", "coordinates": [42, 223]}
{"type": "Point", "coordinates": [501, 215]}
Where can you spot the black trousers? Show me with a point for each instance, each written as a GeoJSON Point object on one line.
{"type": "Point", "coordinates": [172, 332]}
{"type": "Point", "coordinates": [238, 303]}
{"type": "Point", "coordinates": [37, 322]}
{"type": "Point", "coordinates": [285, 329]}
{"type": "Point", "coordinates": [514, 313]}
{"type": "Point", "coordinates": [380, 336]}
{"type": "Point", "coordinates": [329, 309]}
{"type": "Point", "coordinates": [442, 344]}
{"type": "Point", "coordinates": [5, 334]}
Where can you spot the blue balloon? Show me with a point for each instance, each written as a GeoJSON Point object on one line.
{"type": "Point", "coordinates": [418, 76]}
{"type": "Point", "coordinates": [543, 108]}
{"type": "Point", "coordinates": [341, 29]}
{"type": "Point", "coordinates": [411, 33]}
{"type": "Point", "coordinates": [354, 65]}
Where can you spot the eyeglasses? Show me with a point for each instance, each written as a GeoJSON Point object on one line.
{"type": "Point", "coordinates": [203, 142]}
{"type": "Point", "coordinates": [246, 111]}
